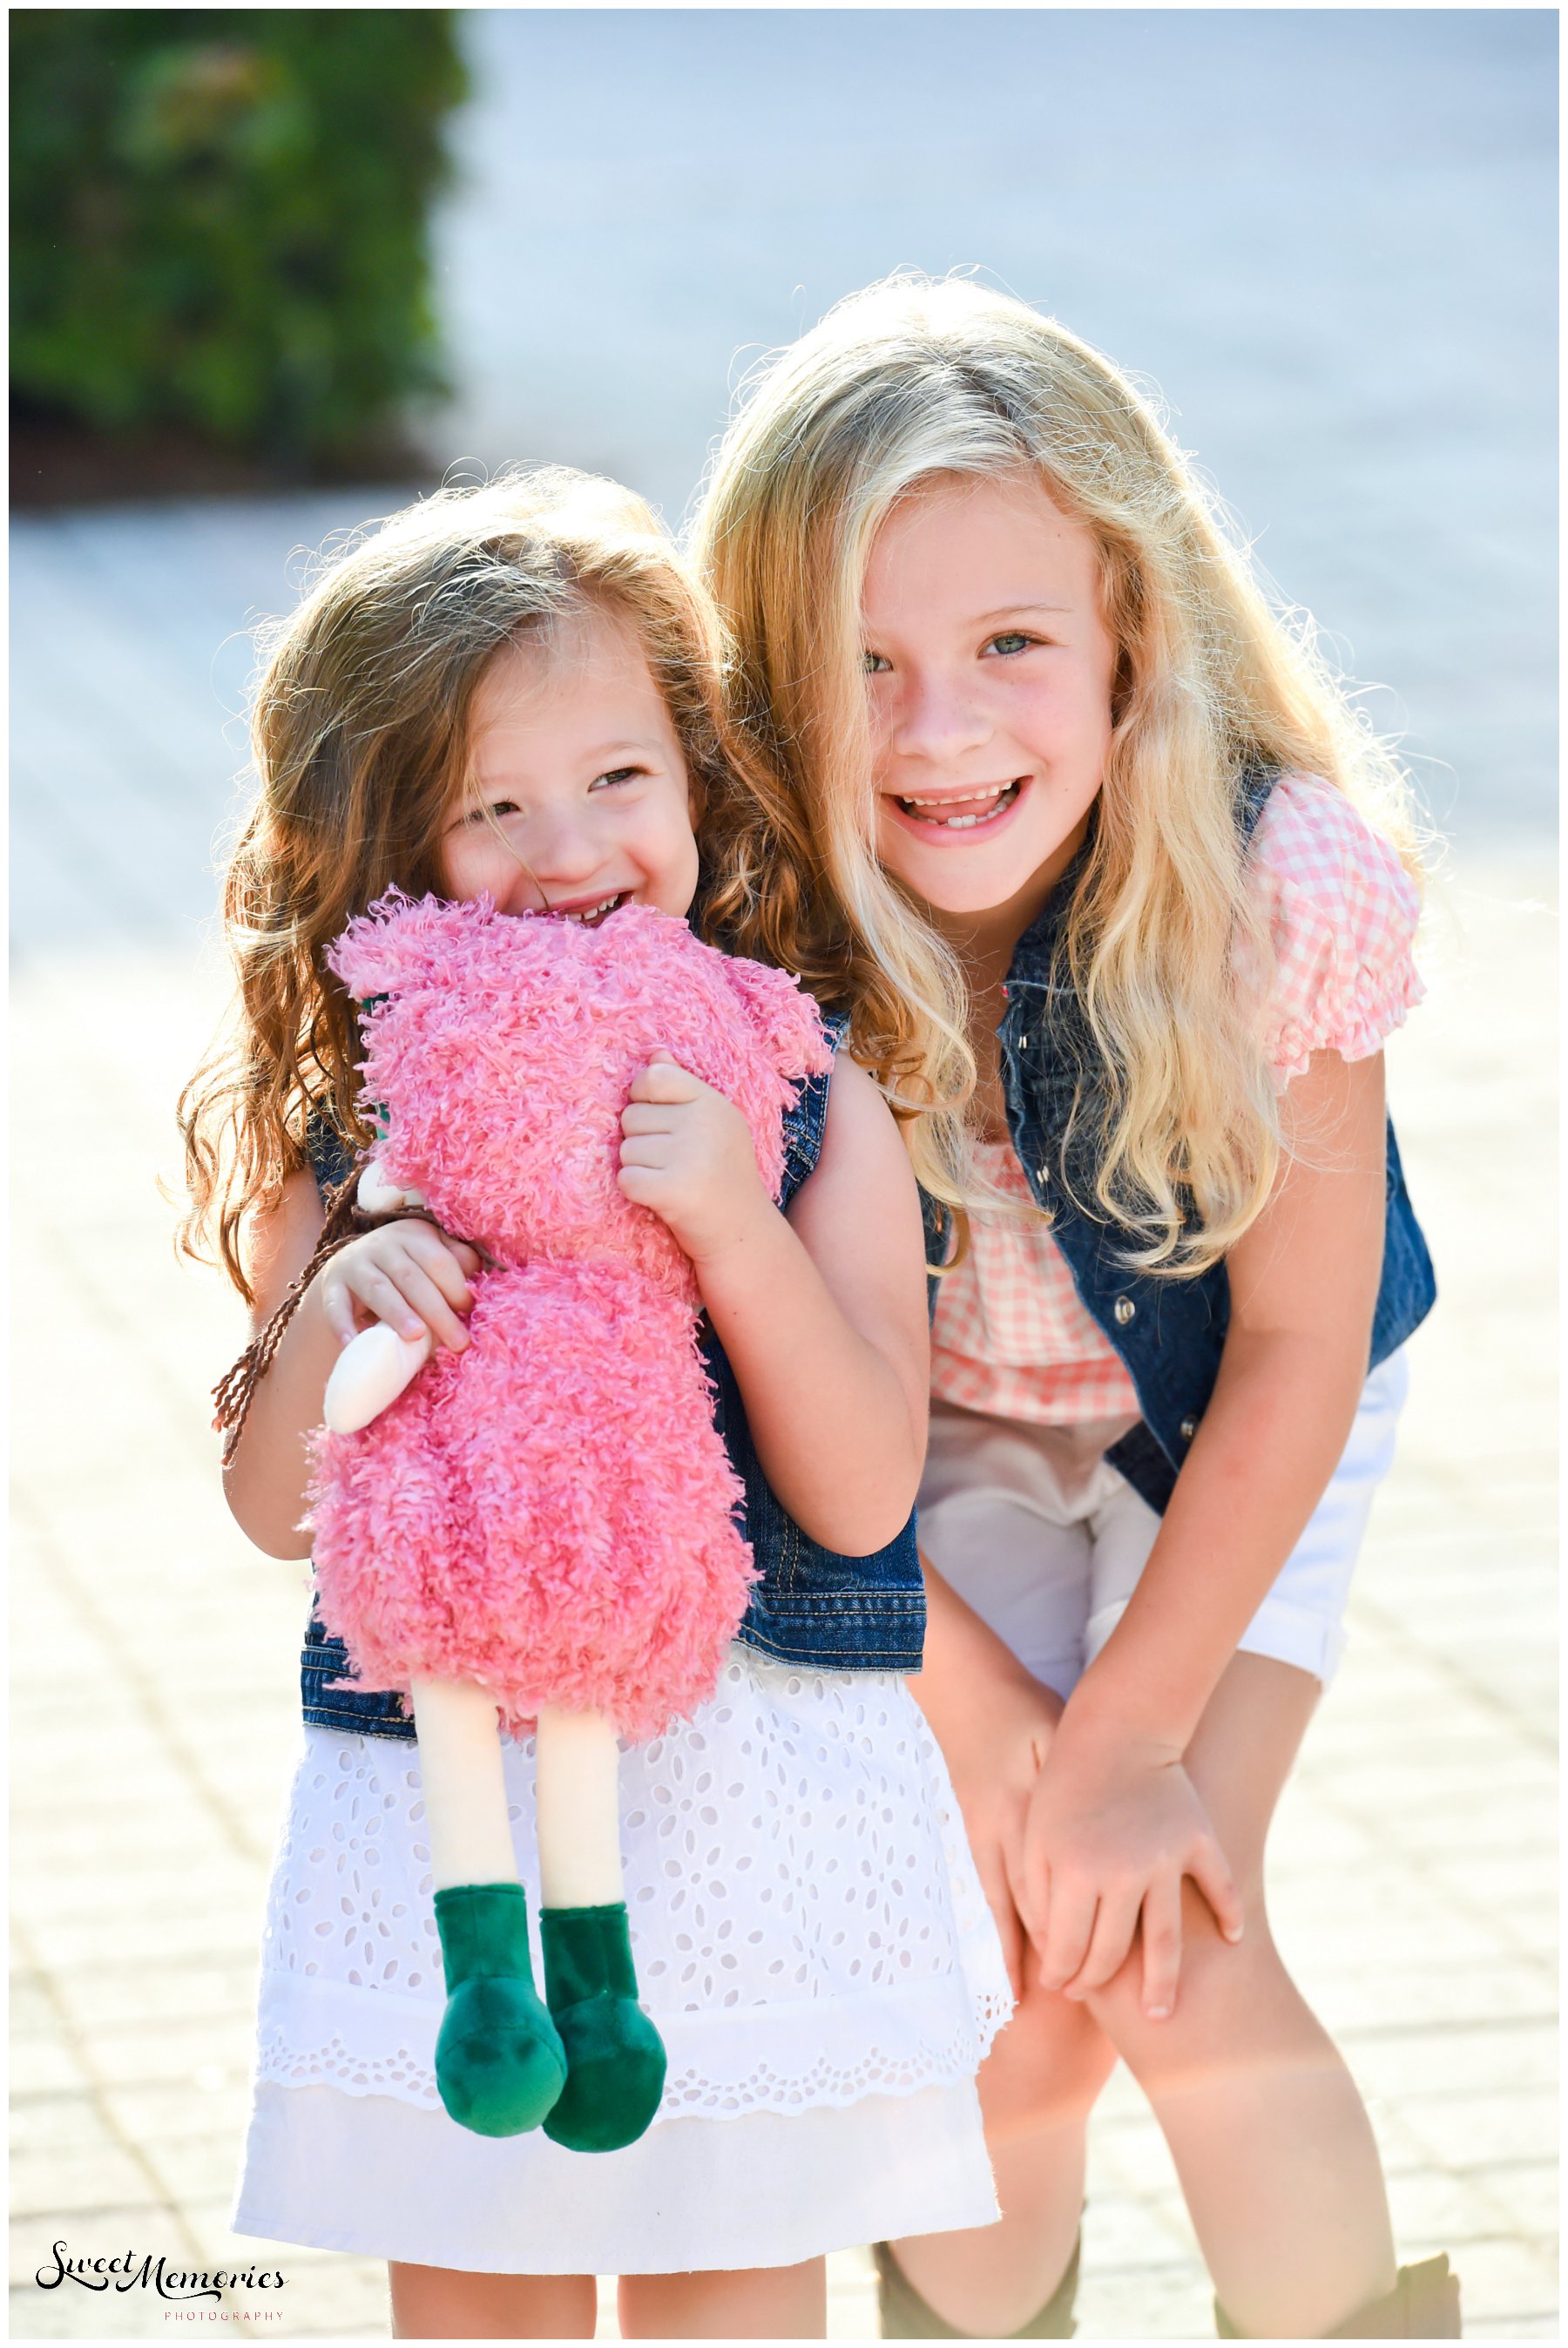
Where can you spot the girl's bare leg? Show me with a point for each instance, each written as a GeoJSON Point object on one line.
{"type": "Point", "coordinates": [748, 2303]}
{"type": "Point", "coordinates": [1038, 2085]}
{"type": "Point", "coordinates": [442, 2303]}
{"type": "Point", "coordinates": [1270, 2137]}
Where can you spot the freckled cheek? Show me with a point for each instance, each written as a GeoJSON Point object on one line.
{"type": "Point", "coordinates": [1065, 728]}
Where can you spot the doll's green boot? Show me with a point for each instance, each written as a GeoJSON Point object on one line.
{"type": "Point", "coordinates": [614, 2056]}
{"type": "Point", "coordinates": [499, 2061]}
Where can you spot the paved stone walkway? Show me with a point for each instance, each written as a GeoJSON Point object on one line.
{"type": "Point", "coordinates": [1415, 1874]}
{"type": "Point", "coordinates": [1336, 261]}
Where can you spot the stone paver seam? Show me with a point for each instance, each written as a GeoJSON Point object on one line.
{"type": "Point", "coordinates": [1385, 2033]}
{"type": "Point", "coordinates": [1398, 1631]}
{"type": "Point", "coordinates": [196, 1441]}
{"type": "Point", "coordinates": [1423, 1867]}
{"type": "Point", "coordinates": [1417, 1864]}
{"type": "Point", "coordinates": [139, 1685]}
{"type": "Point", "coordinates": [1322, 1785]}
{"type": "Point", "coordinates": [102, 2108]}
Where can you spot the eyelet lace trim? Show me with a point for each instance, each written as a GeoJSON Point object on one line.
{"type": "Point", "coordinates": [806, 1919]}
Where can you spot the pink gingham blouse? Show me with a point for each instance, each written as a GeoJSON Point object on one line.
{"type": "Point", "coordinates": [1010, 1337]}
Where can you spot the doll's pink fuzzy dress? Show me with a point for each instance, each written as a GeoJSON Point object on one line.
{"type": "Point", "coordinates": [550, 1512]}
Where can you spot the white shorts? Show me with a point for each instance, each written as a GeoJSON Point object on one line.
{"type": "Point", "coordinates": [1046, 1542]}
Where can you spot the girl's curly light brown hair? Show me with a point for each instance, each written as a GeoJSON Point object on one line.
{"type": "Point", "coordinates": [360, 731]}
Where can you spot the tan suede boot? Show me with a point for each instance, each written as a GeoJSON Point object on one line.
{"type": "Point", "coordinates": [906, 2316]}
{"type": "Point", "coordinates": [1422, 2305]}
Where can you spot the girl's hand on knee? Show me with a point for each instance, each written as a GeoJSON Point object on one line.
{"type": "Point", "coordinates": [1110, 1833]}
{"type": "Point", "coordinates": [994, 1744]}
{"type": "Point", "coordinates": [405, 1272]}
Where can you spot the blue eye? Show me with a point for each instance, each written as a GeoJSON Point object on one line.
{"type": "Point", "coordinates": [620, 775]}
{"type": "Point", "coordinates": [1008, 643]}
{"type": "Point", "coordinates": [872, 664]}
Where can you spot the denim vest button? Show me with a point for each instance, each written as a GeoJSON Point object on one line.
{"type": "Point", "coordinates": [1125, 1309]}
{"type": "Point", "coordinates": [1189, 1428]}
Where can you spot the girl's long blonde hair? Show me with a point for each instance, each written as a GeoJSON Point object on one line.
{"type": "Point", "coordinates": [914, 380]}
{"type": "Point", "coordinates": [360, 730]}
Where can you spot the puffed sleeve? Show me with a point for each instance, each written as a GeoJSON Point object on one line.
{"type": "Point", "coordinates": [1342, 913]}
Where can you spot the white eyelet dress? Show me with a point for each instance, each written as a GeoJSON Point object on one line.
{"type": "Point", "coordinates": [811, 1939]}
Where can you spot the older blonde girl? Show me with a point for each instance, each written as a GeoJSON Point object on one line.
{"type": "Point", "coordinates": [1124, 897]}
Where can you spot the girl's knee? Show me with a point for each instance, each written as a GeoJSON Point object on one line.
{"type": "Point", "coordinates": [1225, 1990]}
{"type": "Point", "coordinates": [1046, 2068]}
{"type": "Point", "coordinates": [448, 2304]}
{"type": "Point", "coordinates": [732, 2303]}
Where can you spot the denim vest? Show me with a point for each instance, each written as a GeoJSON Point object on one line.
{"type": "Point", "coordinates": [809, 1606]}
{"type": "Point", "coordinates": [1168, 1333]}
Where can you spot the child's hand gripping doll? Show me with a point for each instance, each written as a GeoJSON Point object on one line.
{"type": "Point", "coordinates": [540, 1529]}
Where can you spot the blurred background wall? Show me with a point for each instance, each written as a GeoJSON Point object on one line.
{"type": "Point", "coordinates": [277, 270]}
{"type": "Point", "coordinates": [1326, 238]}
{"type": "Point", "coordinates": [252, 246]}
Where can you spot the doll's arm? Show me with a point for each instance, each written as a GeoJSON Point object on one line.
{"type": "Point", "coordinates": [371, 1372]}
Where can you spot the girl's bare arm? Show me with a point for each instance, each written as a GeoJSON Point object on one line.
{"type": "Point", "coordinates": [264, 1479]}
{"type": "Point", "coordinates": [994, 1721]}
{"type": "Point", "coordinates": [1304, 1286]}
{"type": "Point", "coordinates": [822, 1312]}
{"type": "Point", "coordinates": [1114, 1823]}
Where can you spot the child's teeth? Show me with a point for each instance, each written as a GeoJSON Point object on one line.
{"type": "Point", "coordinates": [959, 822]}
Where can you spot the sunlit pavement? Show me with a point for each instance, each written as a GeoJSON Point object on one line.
{"type": "Point", "coordinates": [1414, 1881]}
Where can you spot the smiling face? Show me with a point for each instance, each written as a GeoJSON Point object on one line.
{"type": "Point", "coordinates": [577, 799]}
{"type": "Point", "coordinates": [989, 675]}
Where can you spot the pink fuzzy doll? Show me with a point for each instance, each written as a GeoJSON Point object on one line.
{"type": "Point", "coordinates": [540, 1530]}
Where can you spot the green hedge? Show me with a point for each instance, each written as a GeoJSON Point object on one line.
{"type": "Point", "coordinates": [218, 219]}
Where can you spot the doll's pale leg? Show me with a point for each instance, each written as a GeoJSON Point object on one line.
{"type": "Point", "coordinates": [499, 2062]}
{"type": "Point", "coordinates": [578, 1799]}
{"type": "Point", "coordinates": [615, 2058]}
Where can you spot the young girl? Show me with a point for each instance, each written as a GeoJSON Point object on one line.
{"type": "Point", "coordinates": [1079, 802]}
{"type": "Point", "coordinates": [515, 692]}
